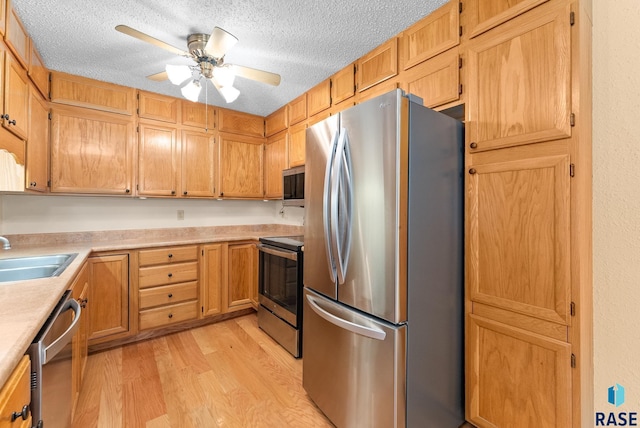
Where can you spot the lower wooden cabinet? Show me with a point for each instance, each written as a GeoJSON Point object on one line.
{"type": "Point", "coordinates": [109, 279]}
{"type": "Point", "coordinates": [242, 285]}
{"type": "Point", "coordinates": [213, 276]}
{"type": "Point", "coordinates": [80, 292]}
{"type": "Point", "coordinates": [15, 397]}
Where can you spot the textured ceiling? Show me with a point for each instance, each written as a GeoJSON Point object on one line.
{"type": "Point", "coordinates": [303, 41]}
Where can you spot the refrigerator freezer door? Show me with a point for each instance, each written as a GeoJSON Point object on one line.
{"type": "Point", "coordinates": [319, 262]}
{"type": "Point", "coordinates": [354, 365]}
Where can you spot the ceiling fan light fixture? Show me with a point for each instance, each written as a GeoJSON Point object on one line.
{"type": "Point", "coordinates": [229, 93]}
{"type": "Point", "coordinates": [178, 73]}
{"type": "Point", "coordinates": [224, 75]}
{"type": "Point", "coordinates": [191, 90]}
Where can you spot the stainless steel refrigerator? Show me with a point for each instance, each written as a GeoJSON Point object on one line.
{"type": "Point", "coordinates": [383, 274]}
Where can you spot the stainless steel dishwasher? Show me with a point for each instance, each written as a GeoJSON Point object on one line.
{"type": "Point", "coordinates": [50, 355]}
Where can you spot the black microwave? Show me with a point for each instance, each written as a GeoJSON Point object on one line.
{"type": "Point", "coordinates": [293, 186]}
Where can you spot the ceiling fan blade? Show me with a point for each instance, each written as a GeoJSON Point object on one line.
{"type": "Point", "coordinates": [219, 42]}
{"type": "Point", "coordinates": [255, 74]}
{"type": "Point", "coordinates": [158, 77]}
{"type": "Point", "coordinates": [147, 38]}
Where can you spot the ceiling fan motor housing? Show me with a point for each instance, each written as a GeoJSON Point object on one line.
{"type": "Point", "coordinates": [196, 43]}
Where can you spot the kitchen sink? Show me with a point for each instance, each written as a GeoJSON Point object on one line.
{"type": "Point", "coordinates": [22, 268]}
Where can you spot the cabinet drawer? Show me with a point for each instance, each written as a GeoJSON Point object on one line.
{"type": "Point", "coordinates": [16, 393]}
{"type": "Point", "coordinates": [172, 274]}
{"type": "Point", "coordinates": [168, 294]}
{"type": "Point", "coordinates": [167, 315]}
{"type": "Point", "coordinates": [167, 255]}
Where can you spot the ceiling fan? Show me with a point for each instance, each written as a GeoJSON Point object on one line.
{"type": "Point", "coordinates": [208, 52]}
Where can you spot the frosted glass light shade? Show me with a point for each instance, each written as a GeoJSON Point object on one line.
{"type": "Point", "coordinates": [229, 93]}
{"type": "Point", "coordinates": [191, 90]}
{"type": "Point", "coordinates": [178, 73]}
{"type": "Point", "coordinates": [224, 75]}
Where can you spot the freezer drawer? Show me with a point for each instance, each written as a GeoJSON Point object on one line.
{"type": "Point", "coordinates": [354, 365]}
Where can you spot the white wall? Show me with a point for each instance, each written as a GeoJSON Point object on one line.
{"type": "Point", "coordinates": [41, 214]}
{"type": "Point", "coordinates": [616, 200]}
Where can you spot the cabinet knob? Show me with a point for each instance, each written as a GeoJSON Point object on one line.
{"type": "Point", "coordinates": [170, 255]}
{"type": "Point", "coordinates": [173, 192]}
{"type": "Point", "coordinates": [4, 116]}
{"type": "Point", "coordinates": [33, 184]}
{"type": "Point", "coordinates": [170, 295]}
{"type": "Point", "coordinates": [221, 193]}
{"type": "Point", "coordinates": [24, 414]}
{"type": "Point", "coordinates": [127, 191]}
{"type": "Point", "coordinates": [170, 275]}
{"type": "Point", "coordinates": [11, 122]}
{"type": "Point", "coordinates": [170, 315]}
{"type": "Point", "coordinates": [473, 145]}
{"type": "Point", "coordinates": [472, 171]}
{"type": "Point", "coordinates": [184, 193]}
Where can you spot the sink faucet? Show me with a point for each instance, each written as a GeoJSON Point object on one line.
{"type": "Point", "coordinates": [6, 245]}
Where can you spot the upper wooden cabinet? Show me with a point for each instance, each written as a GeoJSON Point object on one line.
{"type": "Point", "coordinates": [380, 89]}
{"type": "Point", "coordinates": [241, 166]}
{"type": "Point", "coordinates": [82, 92]}
{"type": "Point", "coordinates": [16, 98]}
{"type": "Point", "coordinates": [91, 151]}
{"type": "Point", "coordinates": [298, 109]}
{"type": "Point", "coordinates": [343, 84]}
{"type": "Point", "coordinates": [198, 115]}
{"type": "Point", "coordinates": [158, 159]}
{"type": "Point", "coordinates": [520, 80]}
{"type": "Point", "coordinates": [378, 65]}
{"type": "Point", "coordinates": [276, 121]}
{"type": "Point", "coordinates": [436, 80]}
{"type": "Point", "coordinates": [197, 172]}
{"type": "Point", "coordinates": [157, 107]}
{"type": "Point", "coordinates": [319, 98]}
{"type": "Point", "coordinates": [240, 123]}
{"type": "Point", "coordinates": [16, 37]}
{"type": "Point", "coordinates": [37, 162]}
{"type": "Point", "coordinates": [275, 160]}
{"type": "Point", "coordinates": [297, 141]}
{"type": "Point", "coordinates": [38, 72]}
{"type": "Point", "coordinates": [436, 33]}
{"type": "Point", "coordinates": [482, 15]}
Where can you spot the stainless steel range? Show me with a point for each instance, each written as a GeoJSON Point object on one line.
{"type": "Point", "coordinates": [280, 288]}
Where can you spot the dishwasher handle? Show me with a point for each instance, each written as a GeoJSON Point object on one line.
{"type": "Point", "coordinates": [57, 345]}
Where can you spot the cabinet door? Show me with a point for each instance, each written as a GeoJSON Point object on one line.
{"type": "Point", "coordinates": [276, 121]}
{"type": "Point", "coordinates": [297, 139]}
{"type": "Point", "coordinates": [198, 164]}
{"type": "Point", "coordinates": [157, 160]}
{"type": "Point", "coordinates": [15, 395]}
{"type": "Point", "coordinates": [16, 37]}
{"type": "Point", "coordinates": [436, 81]}
{"type": "Point", "coordinates": [91, 152]}
{"type": "Point", "coordinates": [518, 236]}
{"type": "Point", "coordinates": [16, 98]}
{"type": "Point", "coordinates": [37, 165]}
{"type": "Point", "coordinates": [319, 98]}
{"type": "Point", "coordinates": [516, 378]}
{"type": "Point", "coordinates": [38, 72]}
{"type": "Point", "coordinates": [79, 290]}
{"type": "Point", "coordinates": [3, 17]}
{"type": "Point", "coordinates": [275, 160]}
{"type": "Point", "coordinates": [298, 109]}
{"type": "Point", "coordinates": [520, 81]}
{"type": "Point", "coordinates": [109, 282]}
{"type": "Point", "coordinates": [241, 167]}
{"type": "Point", "coordinates": [198, 115]}
{"type": "Point", "coordinates": [157, 107]}
{"type": "Point", "coordinates": [243, 275]}
{"type": "Point", "coordinates": [237, 122]}
{"type": "Point", "coordinates": [482, 15]}
{"type": "Point", "coordinates": [378, 65]}
{"type": "Point", "coordinates": [213, 278]}
{"type": "Point", "coordinates": [343, 84]}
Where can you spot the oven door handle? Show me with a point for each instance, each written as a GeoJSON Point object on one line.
{"type": "Point", "coordinates": [52, 350]}
{"type": "Point", "coordinates": [291, 255]}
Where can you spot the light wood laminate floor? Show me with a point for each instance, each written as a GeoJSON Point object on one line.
{"type": "Point", "coordinates": [229, 374]}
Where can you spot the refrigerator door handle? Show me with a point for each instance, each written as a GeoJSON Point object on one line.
{"type": "Point", "coordinates": [341, 197]}
{"type": "Point", "coordinates": [370, 332]}
{"type": "Point", "coordinates": [326, 209]}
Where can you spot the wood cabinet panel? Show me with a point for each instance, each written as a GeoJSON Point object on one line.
{"type": "Point", "coordinates": [241, 166]}
{"type": "Point", "coordinates": [37, 162]}
{"type": "Point", "coordinates": [482, 15]}
{"type": "Point", "coordinates": [157, 107]}
{"type": "Point", "coordinates": [198, 115]}
{"type": "Point", "coordinates": [436, 33]}
{"type": "Point", "coordinates": [79, 352]}
{"type": "Point", "coordinates": [16, 37]}
{"type": "Point", "coordinates": [297, 141]}
{"type": "Point", "coordinates": [167, 274]}
{"type": "Point", "coordinates": [16, 98]}
{"type": "Point", "coordinates": [167, 294]}
{"type": "Point", "coordinates": [519, 81]}
{"type": "Point", "coordinates": [516, 378]}
{"type": "Point", "coordinates": [3, 17]}
{"type": "Point", "coordinates": [167, 255]}
{"type": "Point", "coordinates": [38, 72]}
{"type": "Point", "coordinates": [15, 395]}
{"type": "Point", "coordinates": [275, 160]}
{"type": "Point", "coordinates": [373, 92]}
{"type": "Point", "coordinates": [319, 98]}
{"type": "Point", "coordinates": [157, 160]}
{"type": "Point", "coordinates": [343, 84]}
{"type": "Point", "coordinates": [91, 151]}
{"type": "Point", "coordinates": [82, 92]}
{"type": "Point", "coordinates": [298, 109]}
{"type": "Point", "coordinates": [242, 274]}
{"type": "Point", "coordinates": [109, 282]}
{"type": "Point", "coordinates": [276, 121]}
{"type": "Point", "coordinates": [167, 315]}
{"type": "Point", "coordinates": [378, 65]}
{"type": "Point", "coordinates": [198, 165]}
{"type": "Point", "coordinates": [240, 123]}
{"type": "Point", "coordinates": [213, 278]}
{"type": "Point", "coordinates": [518, 231]}
{"type": "Point", "coordinates": [436, 81]}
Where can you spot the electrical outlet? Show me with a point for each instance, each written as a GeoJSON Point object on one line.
{"type": "Point", "coordinates": [180, 214]}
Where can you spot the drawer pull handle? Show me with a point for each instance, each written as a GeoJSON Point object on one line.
{"type": "Point", "coordinates": [170, 295]}
{"type": "Point", "coordinates": [472, 171]}
{"type": "Point", "coordinates": [170, 275]}
{"type": "Point", "coordinates": [170, 315]}
{"type": "Point", "coordinates": [170, 255]}
{"type": "Point", "coordinates": [24, 414]}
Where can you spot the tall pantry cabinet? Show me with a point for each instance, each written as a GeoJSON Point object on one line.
{"type": "Point", "coordinates": [528, 214]}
